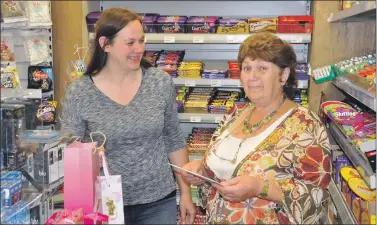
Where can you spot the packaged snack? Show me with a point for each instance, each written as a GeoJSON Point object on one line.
{"type": "Point", "coordinates": [13, 11]}
{"type": "Point", "coordinates": [149, 21]}
{"type": "Point", "coordinates": [341, 113]}
{"type": "Point", "coordinates": [46, 112]}
{"type": "Point", "coordinates": [9, 77]}
{"type": "Point", "coordinates": [37, 47]}
{"type": "Point", "coordinates": [40, 77]}
{"type": "Point", "coordinates": [258, 25]}
{"type": "Point", "coordinates": [295, 24]}
{"type": "Point", "coordinates": [171, 24]}
{"type": "Point", "coordinates": [233, 26]}
{"type": "Point", "coordinates": [7, 48]}
{"type": "Point", "coordinates": [202, 24]}
{"type": "Point", "coordinates": [39, 13]}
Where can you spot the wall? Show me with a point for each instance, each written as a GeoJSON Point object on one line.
{"type": "Point", "coordinates": [332, 42]}
{"type": "Point", "coordinates": [69, 29]}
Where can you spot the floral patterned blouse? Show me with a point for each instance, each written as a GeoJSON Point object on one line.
{"type": "Point", "coordinates": [296, 154]}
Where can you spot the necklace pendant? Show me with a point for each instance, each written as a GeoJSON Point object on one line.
{"type": "Point", "coordinates": [233, 161]}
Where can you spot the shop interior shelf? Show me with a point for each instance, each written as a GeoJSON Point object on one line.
{"type": "Point", "coordinates": [200, 117]}
{"type": "Point", "coordinates": [30, 200]}
{"type": "Point", "coordinates": [159, 38]}
{"type": "Point", "coordinates": [357, 157]}
{"type": "Point", "coordinates": [354, 86]}
{"type": "Point", "coordinates": [344, 211]}
{"type": "Point", "coordinates": [363, 11]}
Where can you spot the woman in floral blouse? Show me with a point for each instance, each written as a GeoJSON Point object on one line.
{"type": "Point", "coordinates": [271, 156]}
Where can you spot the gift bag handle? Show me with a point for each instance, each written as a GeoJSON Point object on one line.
{"type": "Point", "coordinates": [101, 152]}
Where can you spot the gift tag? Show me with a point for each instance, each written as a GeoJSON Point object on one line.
{"type": "Point", "coordinates": [198, 39]}
{"type": "Point", "coordinates": [195, 119]}
{"type": "Point", "coordinates": [169, 39]}
{"type": "Point", "coordinates": [216, 83]}
{"type": "Point", "coordinates": [189, 83]}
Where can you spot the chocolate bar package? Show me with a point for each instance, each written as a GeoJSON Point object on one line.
{"type": "Point", "coordinates": [149, 21]}
{"type": "Point", "coordinates": [171, 24]}
{"type": "Point", "coordinates": [202, 24]}
{"type": "Point", "coordinates": [91, 20]}
{"type": "Point", "coordinates": [258, 25]}
{"type": "Point", "coordinates": [233, 26]}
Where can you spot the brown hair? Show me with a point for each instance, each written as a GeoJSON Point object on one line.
{"type": "Point", "coordinates": [270, 48]}
{"type": "Point", "coordinates": [111, 21]}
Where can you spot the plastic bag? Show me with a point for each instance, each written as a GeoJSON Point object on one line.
{"type": "Point", "coordinates": [9, 77]}
{"type": "Point", "coordinates": [40, 77]}
{"type": "Point", "coordinates": [37, 47]}
{"type": "Point", "coordinates": [39, 13]}
{"type": "Point", "coordinates": [7, 48]}
{"type": "Point", "coordinates": [13, 11]}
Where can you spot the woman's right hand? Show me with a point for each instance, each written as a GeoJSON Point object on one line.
{"type": "Point", "coordinates": [196, 167]}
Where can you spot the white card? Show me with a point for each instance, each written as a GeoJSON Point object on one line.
{"type": "Point", "coordinates": [197, 175]}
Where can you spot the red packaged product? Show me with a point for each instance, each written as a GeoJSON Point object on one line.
{"type": "Point", "coordinates": [295, 24]}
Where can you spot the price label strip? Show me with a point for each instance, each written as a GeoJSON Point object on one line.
{"type": "Point", "coordinates": [296, 39]}
{"type": "Point", "coordinates": [198, 39]}
{"type": "Point", "coordinates": [195, 119]}
{"type": "Point", "coordinates": [190, 83]}
{"type": "Point", "coordinates": [231, 39]}
{"type": "Point", "coordinates": [195, 174]}
{"type": "Point", "coordinates": [218, 119]}
{"type": "Point", "coordinates": [216, 83]}
{"type": "Point", "coordinates": [169, 39]}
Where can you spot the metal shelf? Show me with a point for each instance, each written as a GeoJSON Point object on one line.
{"type": "Point", "coordinates": [207, 82]}
{"type": "Point", "coordinates": [29, 200]}
{"type": "Point", "coordinates": [357, 157]}
{"type": "Point", "coordinates": [355, 91]}
{"type": "Point", "coordinates": [199, 118]}
{"type": "Point", "coordinates": [363, 11]}
{"type": "Point", "coordinates": [187, 38]}
{"type": "Point", "coordinates": [345, 213]}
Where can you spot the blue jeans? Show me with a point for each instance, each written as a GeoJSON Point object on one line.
{"type": "Point", "coordinates": [163, 211]}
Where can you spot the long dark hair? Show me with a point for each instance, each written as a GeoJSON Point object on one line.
{"type": "Point", "coordinates": [108, 25]}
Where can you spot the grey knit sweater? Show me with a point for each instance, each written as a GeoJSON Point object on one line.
{"type": "Point", "coordinates": [139, 135]}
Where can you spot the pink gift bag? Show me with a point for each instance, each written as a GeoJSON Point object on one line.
{"type": "Point", "coordinates": [81, 169]}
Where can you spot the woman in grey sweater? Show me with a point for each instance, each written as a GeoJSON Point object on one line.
{"type": "Point", "coordinates": [133, 104]}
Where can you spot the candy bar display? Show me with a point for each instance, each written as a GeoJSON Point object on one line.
{"type": "Point", "coordinates": [197, 100]}
{"type": "Point", "coordinates": [190, 69]}
{"type": "Point", "coordinates": [202, 24]}
{"type": "Point", "coordinates": [234, 70]}
{"type": "Point", "coordinates": [171, 24]}
{"type": "Point", "coordinates": [360, 127]}
{"type": "Point", "coordinates": [180, 98]}
{"type": "Point", "coordinates": [149, 21]}
{"type": "Point", "coordinates": [215, 74]}
{"type": "Point", "coordinates": [223, 101]}
{"type": "Point", "coordinates": [199, 140]}
{"type": "Point", "coordinates": [169, 60]}
{"type": "Point", "coordinates": [233, 26]}
{"type": "Point", "coordinates": [258, 25]}
{"type": "Point", "coordinates": [301, 97]}
{"type": "Point", "coordinates": [295, 24]}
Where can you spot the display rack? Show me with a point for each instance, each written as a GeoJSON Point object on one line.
{"type": "Point", "coordinates": [357, 157]}
{"type": "Point", "coordinates": [157, 38]}
{"type": "Point", "coordinates": [345, 213]}
{"type": "Point", "coordinates": [362, 95]}
{"type": "Point", "coordinates": [200, 118]}
{"type": "Point", "coordinates": [365, 10]}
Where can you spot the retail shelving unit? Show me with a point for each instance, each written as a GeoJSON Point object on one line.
{"type": "Point", "coordinates": [345, 212]}
{"type": "Point", "coordinates": [214, 47]}
{"type": "Point", "coordinates": [357, 157]}
{"type": "Point", "coordinates": [363, 11]}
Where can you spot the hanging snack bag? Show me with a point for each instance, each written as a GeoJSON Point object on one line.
{"type": "Point", "coordinates": [37, 47]}
{"type": "Point", "coordinates": [40, 77]}
{"type": "Point", "coordinates": [7, 48]}
{"type": "Point", "coordinates": [13, 11]}
{"type": "Point", "coordinates": [9, 77]}
{"type": "Point", "coordinates": [39, 13]}
{"type": "Point", "coordinates": [47, 111]}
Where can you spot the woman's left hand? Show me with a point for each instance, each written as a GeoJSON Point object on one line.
{"type": "Point", "coordinates": [187, 209]}
{"type": "Point", "coordinates": [240, 188]}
